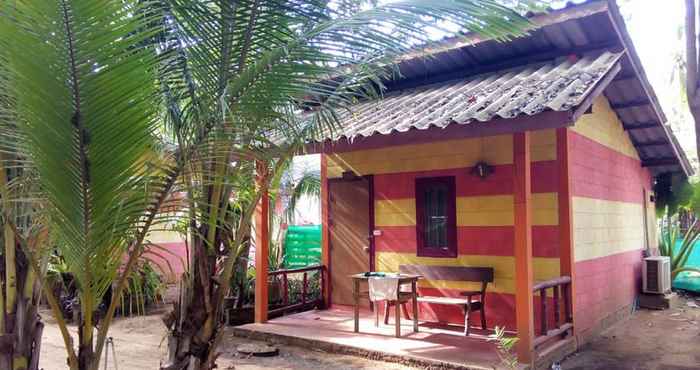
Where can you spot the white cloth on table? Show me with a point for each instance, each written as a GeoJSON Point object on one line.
{"type": "Point", "coordinates": [385, 288]}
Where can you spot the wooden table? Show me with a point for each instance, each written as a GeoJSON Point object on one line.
{"type": "Point", "coordinates": [403, 280]}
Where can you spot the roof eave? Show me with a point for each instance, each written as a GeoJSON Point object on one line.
{"type": "Point", "coordinates": [619, 24]}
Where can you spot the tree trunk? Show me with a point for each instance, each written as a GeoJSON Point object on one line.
{"type": "Point", "coordinates": [20, 291]}
{"type": "Point", "coordinates": [21, 326]}
{"type": "Point", "coordinates": [240, 274]}
{"type": "Point", "coordinates": [194, 325]}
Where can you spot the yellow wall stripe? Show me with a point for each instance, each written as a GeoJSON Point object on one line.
{"type": "Point", "coordinates": [543, 145]}
{"type": "Point", "coordinates": [605, 227]}
{"type": "Point", "coordinates": [491, 210]}
{"type": "Point", "coordinates": [504, 269]}
{"type": "Point", "coordinates": [495, 150]}
{"type": "Point", "coordinates": [164, 236]}
{"type": "Point", "coordinates": [605, 128]}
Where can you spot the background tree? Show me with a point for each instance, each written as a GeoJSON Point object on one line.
{"type": "Point", "coordinates": [692, 84]}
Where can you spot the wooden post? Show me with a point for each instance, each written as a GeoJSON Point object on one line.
{"type": "Point", "coordinates": [543, 313]}
{"type": "Point", "coordinates": [566, 243]}
{"type": "Point", "coordinates": [262, 246]}
{"type": "Point", "coordinates": [523, 246]}
{"type": "Point", "coordinates": [305, 282]}
{"type": "Point", "coordinates": [325, 232]}
{"type": "Point", "coordinates": [285, 289]}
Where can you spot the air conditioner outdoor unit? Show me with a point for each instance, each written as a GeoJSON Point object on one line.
{"type": "Point", "coordinates": [656, 275]}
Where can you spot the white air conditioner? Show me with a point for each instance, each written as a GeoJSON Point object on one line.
{"type": "Point", "coordinates": [656, 275]}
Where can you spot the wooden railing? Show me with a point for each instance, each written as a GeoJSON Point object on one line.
{"type": "Point", "coordinates": [304, 303]}
{"type": "Point", "coordinates": [561, 290]}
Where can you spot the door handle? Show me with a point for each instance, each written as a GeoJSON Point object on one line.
{"type": "Point", "coordinates": [366, 249]}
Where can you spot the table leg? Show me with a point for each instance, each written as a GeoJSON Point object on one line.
{"type": "Point", "coordinates": [397, 319]}
{"type": "Point", "coordinates": [356, 301]}
{"type": "Point", "coordinates": [414, 300]}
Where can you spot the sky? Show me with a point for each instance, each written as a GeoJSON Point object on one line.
{"type": "Point", "coordinates": [654, 28]}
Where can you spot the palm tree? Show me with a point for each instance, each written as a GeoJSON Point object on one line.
{"type": "Point", "coordinates": [117, 105]}
{"type": "Point", "coordinates": [267, 75]}
{"type": "Point", "coordinates": [78, 87]}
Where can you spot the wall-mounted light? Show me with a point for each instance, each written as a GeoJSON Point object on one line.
{"type": "Point", "coordinates": [482, 169]}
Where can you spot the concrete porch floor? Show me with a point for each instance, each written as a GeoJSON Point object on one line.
{"type": "Point", "coordinates": [332, 331]}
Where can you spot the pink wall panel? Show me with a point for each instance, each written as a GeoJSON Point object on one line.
{"type": "Point", "coordinates": [602, 173]}
{"type": "Point", "coordinates": [176, 258]}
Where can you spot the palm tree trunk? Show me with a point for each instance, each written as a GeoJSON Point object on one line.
{"type": "Point", "coordinates": [191, 323]}
{"type": "Point", "coordinates": [21, 326]}
{"type": "Point", "coordinates": [195, 325]}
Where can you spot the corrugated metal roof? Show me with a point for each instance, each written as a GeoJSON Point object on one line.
{"type": "Point", "coordinates": [558, 85]}
{"type": "Point", "coordinates": [580, 29]}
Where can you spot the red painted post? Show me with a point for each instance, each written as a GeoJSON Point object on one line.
{"type": "Point", "coordinates": [304, 289]}
{"type": "Point", "coordinates": [285, 289]}
{"type": "Point", "coordinates": [325, 233]}
{"type": "Point", "coordinates": [543, 314]}
{"type": "Point", "coordinates": [262, 245]}
{"type": "Point", "coordinates": [567, 302]}
{"type": "Point", "coordinates": [566, 241]}
{"type": "Point", "coordinates": [555, 301]}
{"type": "Point", "coordinates": [522, 194]}
{"type": "Point", "coordinates": [321, 282]}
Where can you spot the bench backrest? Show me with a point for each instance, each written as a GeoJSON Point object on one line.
{"type": "Point", "coordinates": [450, 273]}
{"type": "Point", "coordinates": [483, 275]}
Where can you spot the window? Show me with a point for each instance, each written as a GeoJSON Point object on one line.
{"type": "Point", "coordinates": [436, 218]}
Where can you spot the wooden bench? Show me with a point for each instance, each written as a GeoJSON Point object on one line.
{"type": "Point", "coordinates": [472, 301]}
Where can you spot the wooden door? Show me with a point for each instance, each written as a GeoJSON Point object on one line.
{"type": "Point", "coordinates": [349, 239]}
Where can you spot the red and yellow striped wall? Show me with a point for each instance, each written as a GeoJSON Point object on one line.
{"type": "Point", "coordinates": [604, 179]}
{"type": "Point", "coordinates": [485, 212]}
{"type": "Point", "coordinates": [608, 186]}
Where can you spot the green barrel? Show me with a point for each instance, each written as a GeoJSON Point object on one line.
{"type": "Point", "coordinates": [302, 246]}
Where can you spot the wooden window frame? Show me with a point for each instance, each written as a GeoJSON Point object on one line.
{"type": "Point", "coordinates": [421, 249]}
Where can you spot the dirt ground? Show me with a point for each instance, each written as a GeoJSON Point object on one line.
{"type": "Point", "coordinates": [649, 340]}
{"type": "Point", "coordinates": [139, 345]}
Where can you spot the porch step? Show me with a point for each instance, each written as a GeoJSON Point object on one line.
{"type": "Point", "coordinates": [249, 331]}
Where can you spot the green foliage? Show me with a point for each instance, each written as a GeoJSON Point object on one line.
{"type": "Point", "coordinates": [681, 199]}
{"type": "Point", "coordinates": [117, 105]}
{"type": "Point", "coordinates": [670, 236]}
{"type": "Point", "coordinates": [505, 347]}
{"type": "Point", "coordinates": [674, 193]}
{"type": "Point", "coordinates": [145, 287]}
{"type": "Point", "coordinates": [313, 289]}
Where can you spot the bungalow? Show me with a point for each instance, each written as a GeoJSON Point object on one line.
{"type": "Point", "coordinates": [534, 157]}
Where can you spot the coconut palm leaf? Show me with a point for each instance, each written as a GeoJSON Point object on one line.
{"type": "Point", "coordinates": [81, 91]}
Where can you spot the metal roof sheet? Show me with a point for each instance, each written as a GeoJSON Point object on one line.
{"type": "Point", "coordinates": [558, 85]}
{"type": "Point", "coordinates": [581, 28]}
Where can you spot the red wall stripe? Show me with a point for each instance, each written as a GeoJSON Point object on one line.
{"type": "Point", "coordinates": [602, 173]}
{"type": "Point", "coordinates": [605, 284]}
{"type": "Point", "coordinates": [474, 240]}
{"type": "Point", "coordinates": [402, 185]}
